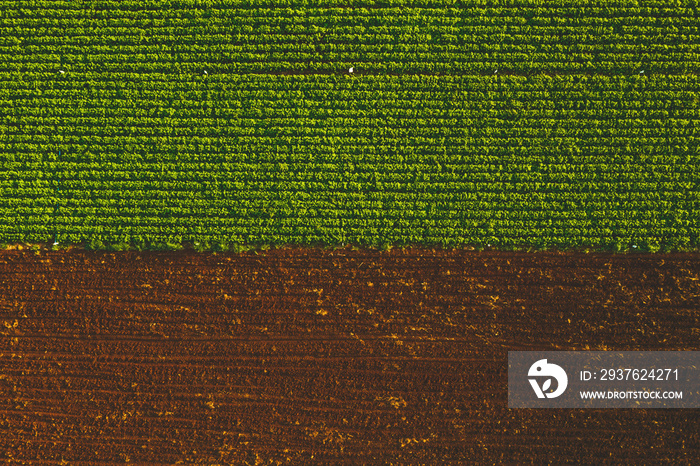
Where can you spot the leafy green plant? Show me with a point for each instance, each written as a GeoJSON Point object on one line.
{"type": "Point", "coordinates": [95, 244]}
{"type": "Point", "coordinates": [201, 246]}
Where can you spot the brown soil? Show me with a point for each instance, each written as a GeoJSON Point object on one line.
{"type": "Point", "coordinates": [310, 356]}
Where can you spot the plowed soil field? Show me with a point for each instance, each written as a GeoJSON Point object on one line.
{"type": "Point", "coordinates": [310, 356]}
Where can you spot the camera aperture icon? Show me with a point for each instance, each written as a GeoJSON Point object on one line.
{"type": "Point", "coordinates": [542, 369]}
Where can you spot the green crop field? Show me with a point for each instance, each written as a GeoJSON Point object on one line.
{"type": "Point", "coordinates": [511, 123]}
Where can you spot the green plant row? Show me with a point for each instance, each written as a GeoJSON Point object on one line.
{"type": "Point", "coordinates": [424, 36]}
{"type": "Point", "coordinates": [513, 162]}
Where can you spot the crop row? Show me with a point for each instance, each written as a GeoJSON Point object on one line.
{"type": "Point", "coordinates": [197, 7]}
{"type": "Point", "coordinates": [290, 84]}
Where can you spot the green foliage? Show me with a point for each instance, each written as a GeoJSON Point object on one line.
{"type": "Point", "coordinates": [238, 248]}
{"type": "Point", "coordinates": [201, 246]}
{"type": "Point", "coordinates": [388, 36]}
{"type": "Point", "coordinates": [567, 146]}
{"type": "Point", "coordinates": [220, 246]}
{"type": "Point", "coordinates": [653, 247]}
{"type": "Point", "coordinates": [96, 245]}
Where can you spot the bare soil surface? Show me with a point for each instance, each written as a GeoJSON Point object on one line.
{"type": "Point", "coordinates": [311, 356]}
